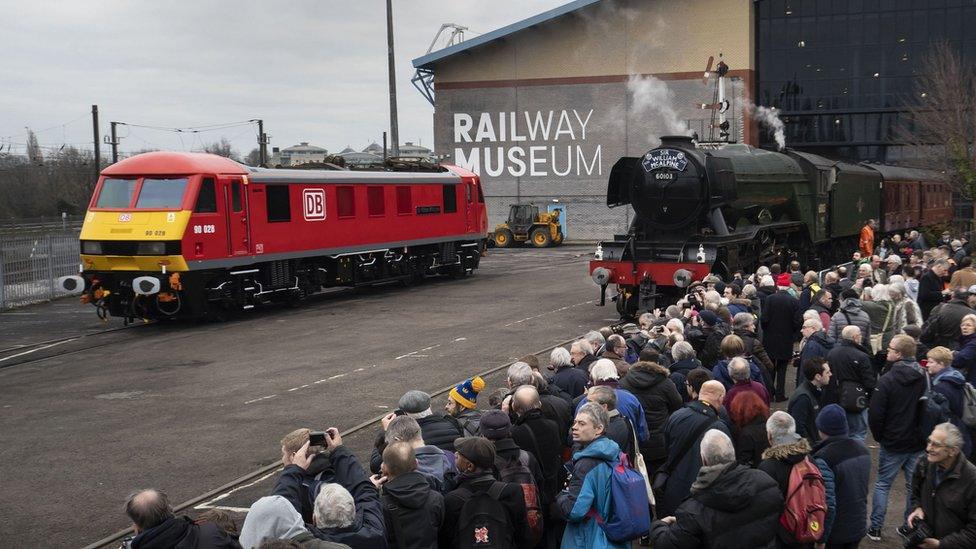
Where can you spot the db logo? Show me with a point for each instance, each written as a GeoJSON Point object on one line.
{"type": "Point", "coordinates": [125, 217]}
{"type": "Point", "coordinates": [314, 204]}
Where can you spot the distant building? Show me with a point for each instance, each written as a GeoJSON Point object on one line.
{"type": "Point", "coordinates": [297, 155]}
{"type": "Point", "coordinates": [374, 148]}
{"type": "Point", "coordinates": [354, 158]}
{"type": "Point", "coordinates": [409, 149]}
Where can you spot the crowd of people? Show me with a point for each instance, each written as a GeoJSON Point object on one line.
{"type": "Point", "coordinates": [685, 399]}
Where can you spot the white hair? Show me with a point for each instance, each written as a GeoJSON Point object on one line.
{"type": "Point", "coordinates": [583, 346]}
{"type": "Point", "coordinates": [675, 325]}
{"type": "Point", "coordinates": [716, 448]}
{"type": "Point", "coordinates": [682, 350]}
{"type": "Point", "coordinates": [713, 297]}
{"type": "Point", "coordinates": [646, 320]}
{"type": "Point", "coordinates": [595, 338]}
{"type": "Point", "coordinates": [810, 314]}
{"type": "Point", "coordinates": [519, 373]}
{"type": "Point", "coordinates": [559, 357]}
{"type": "Point", "coordinates": [866, 267]}
{"type": "Point", "coordinates": [953, 435]}
{"type": "Point", "coordinates": [766, 280]}
{"type": "Point", "coordinates": [781, 428]}
{"type": "Point", "coordinates": [813, 322]}
{"type": "Point", "coordinates": [850, 332]}
{"type": "Point", "coordinates": [739, 369]}
{"type": "Point", "coordinates": [762, 271]}
{"type": "Point", "coordinates": [879, 292]}
{"type": "Point", "coordinates": [334, 507]}
{"type": "Point", "coordinates": [741, 320]}
{"type": "Point", "coordinates": [603, 369]}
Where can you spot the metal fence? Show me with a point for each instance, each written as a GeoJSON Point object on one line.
{"type": "Point", "coordinates": [30, 266]}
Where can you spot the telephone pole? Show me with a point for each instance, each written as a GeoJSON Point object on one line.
{"type": "Point", "coordinates": [262, 144]}
{"type": "Point", "coordinates": [394, 131]}
{"type": "Point", "coordinates": [113, 141]}
{"type": "Point", "coordinates": [96, 133]}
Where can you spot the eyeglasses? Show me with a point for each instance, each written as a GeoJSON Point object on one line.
{"type": "Point", "coordinates": [936, 444]}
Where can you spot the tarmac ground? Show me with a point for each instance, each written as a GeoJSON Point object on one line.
{"type": "Point", "coordinates": [87, 417]}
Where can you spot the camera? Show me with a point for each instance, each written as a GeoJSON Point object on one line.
{"type": "Point", "coordinates": [316, 438]}
{"type": "Point", "coordinates": [321, 438]}
{"type": "Point", "coordinates": [918, 533]}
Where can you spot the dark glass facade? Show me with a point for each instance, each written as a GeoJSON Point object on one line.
{"type": "Point", "coordinates": [841, 71]}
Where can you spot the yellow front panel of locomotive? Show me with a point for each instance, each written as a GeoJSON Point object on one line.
{"type": "Point", "coordinates": [135, 225]}
{"type": "Point", "coordinates": [133, 262]}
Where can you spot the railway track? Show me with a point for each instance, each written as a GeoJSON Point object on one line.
{"type": "Point", "coordinates": [17, 355]}
{"type": "Point", "coordinates": [113, 539]}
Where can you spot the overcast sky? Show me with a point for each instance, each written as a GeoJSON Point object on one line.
{"type": "Point", "coordinates": [313, 70]}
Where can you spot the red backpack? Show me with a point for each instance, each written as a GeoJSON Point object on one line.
{"type": "Point", "coordinates": [517, 472]}
{"type": "Point", "coordinates": [806, 503]}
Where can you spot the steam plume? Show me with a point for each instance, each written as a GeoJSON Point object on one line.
{"type": "Point", "coordinates": [650, 95]}
{"type": "Point", "coordinates": [770, 119]}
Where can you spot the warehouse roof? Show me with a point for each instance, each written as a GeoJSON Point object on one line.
{"type": "Point", "coordinates": [431, 58]}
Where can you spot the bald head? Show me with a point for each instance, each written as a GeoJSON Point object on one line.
{"type": "Point", "coordinates": [148, 508]}
{"type": "Point", "coordinates": [712, 392]}
{"type": "Point", "coordinates": [399, 459]}
{"type": "Point", "coordinates": [525, 398]}
{"type": "Point", "coordinates": [851, 333]}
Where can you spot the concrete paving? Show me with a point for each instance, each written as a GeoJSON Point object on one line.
{"type": "Point", "coordinates": [189, 407]}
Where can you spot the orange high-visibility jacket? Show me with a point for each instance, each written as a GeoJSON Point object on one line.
{"type": "Point", "coordinates": [867, 241]}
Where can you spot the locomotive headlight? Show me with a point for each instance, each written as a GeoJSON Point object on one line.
{"type": "Point", "coordinates": [682, 278]}
{"type": "Point", "coordinates": [73, 284]}
{"type": "Point", "coordinates": [601, 276]}
{"type": "Point", "coordinates": [151, 248]}
{"type": "Point", "coordinates": [145, 285]}
{"type": "Point", "coordinates": [91, 247]}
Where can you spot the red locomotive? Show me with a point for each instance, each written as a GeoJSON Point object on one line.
{"type": "Point", "coordinates": [187, 235]}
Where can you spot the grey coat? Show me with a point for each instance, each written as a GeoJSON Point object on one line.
{"type": "Point", "coordinates": [858, 317]}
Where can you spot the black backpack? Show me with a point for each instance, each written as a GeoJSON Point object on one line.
{"type": "Point", "coordinates": [484, 521]}
{"type": "Point", "coordinates": [933, 409]}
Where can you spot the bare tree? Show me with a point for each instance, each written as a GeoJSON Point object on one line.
{"type": "Point", "coordinates": [253, 158]}
{"type": "Point", "coordinates": [222, 148]}
{"type": "Point", "coordinates": [941, 123]}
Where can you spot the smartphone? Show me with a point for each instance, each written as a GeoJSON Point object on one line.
{"type": "Point", "coordinates": [316, 438]}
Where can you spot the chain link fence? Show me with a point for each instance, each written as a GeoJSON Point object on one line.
{"type": "Point", "coordinates": [30, 266]}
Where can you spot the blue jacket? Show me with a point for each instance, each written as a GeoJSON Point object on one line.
{"type": "Point", "coordinates": [817, 346]}
{"type": "Point", "coordinates": [965, 357]}
{"type": "Point", "coordinates": [720, 372]}
{"type": "Point", "coordinates": [951, 383]}
{"type": "Point", "coordinates": [850, 462]}
{"type": "Point", "coordinates": [589, 488]}
{"type": "Point", "coordinates": [630, 408]}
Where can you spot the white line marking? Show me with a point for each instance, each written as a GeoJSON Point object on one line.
{"type": "Point", "coordinates": [207, 504]}
{"type": "Point", "coordinates": [547, 313]}
{"type": "Point", "coordinates": [38, 349]}
{"type": "Point", "coordinates": [224, 508]}
{"type": "Point", "coordinates": [260, 399]}
{"type": "Point", "coordinates": [337, 376]}
{"type": "Point", "coordinates": [460, 339]}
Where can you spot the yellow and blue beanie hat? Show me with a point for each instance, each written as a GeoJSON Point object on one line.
{"type": "Point", "coordinates": [466, 393]}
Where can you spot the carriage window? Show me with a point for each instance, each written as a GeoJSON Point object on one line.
{"type": "Point", "coordinates": [116, 193]}
{"type": "Point", "coordinates": [279, 204]}
{"type": "Point", "coordinates": [207, 199]}
{"type": "Point", "coordinates": [404, 202]}
{"type": "Point", "coordinates": [450, 198]}
{"type": "Point", "coordinates": [161, 193]}
{"type": "Point", "coordinates": [375, 200]}
{"type": "Point", "coordinates": [346, 200]}
{"type": "Point", "coordinates": [235, 196]}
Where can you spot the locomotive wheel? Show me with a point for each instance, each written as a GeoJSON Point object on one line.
{"type": "Point", "coordinates": [540, 238]}
{"type": "Point", "coordinates": [503, 238]}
